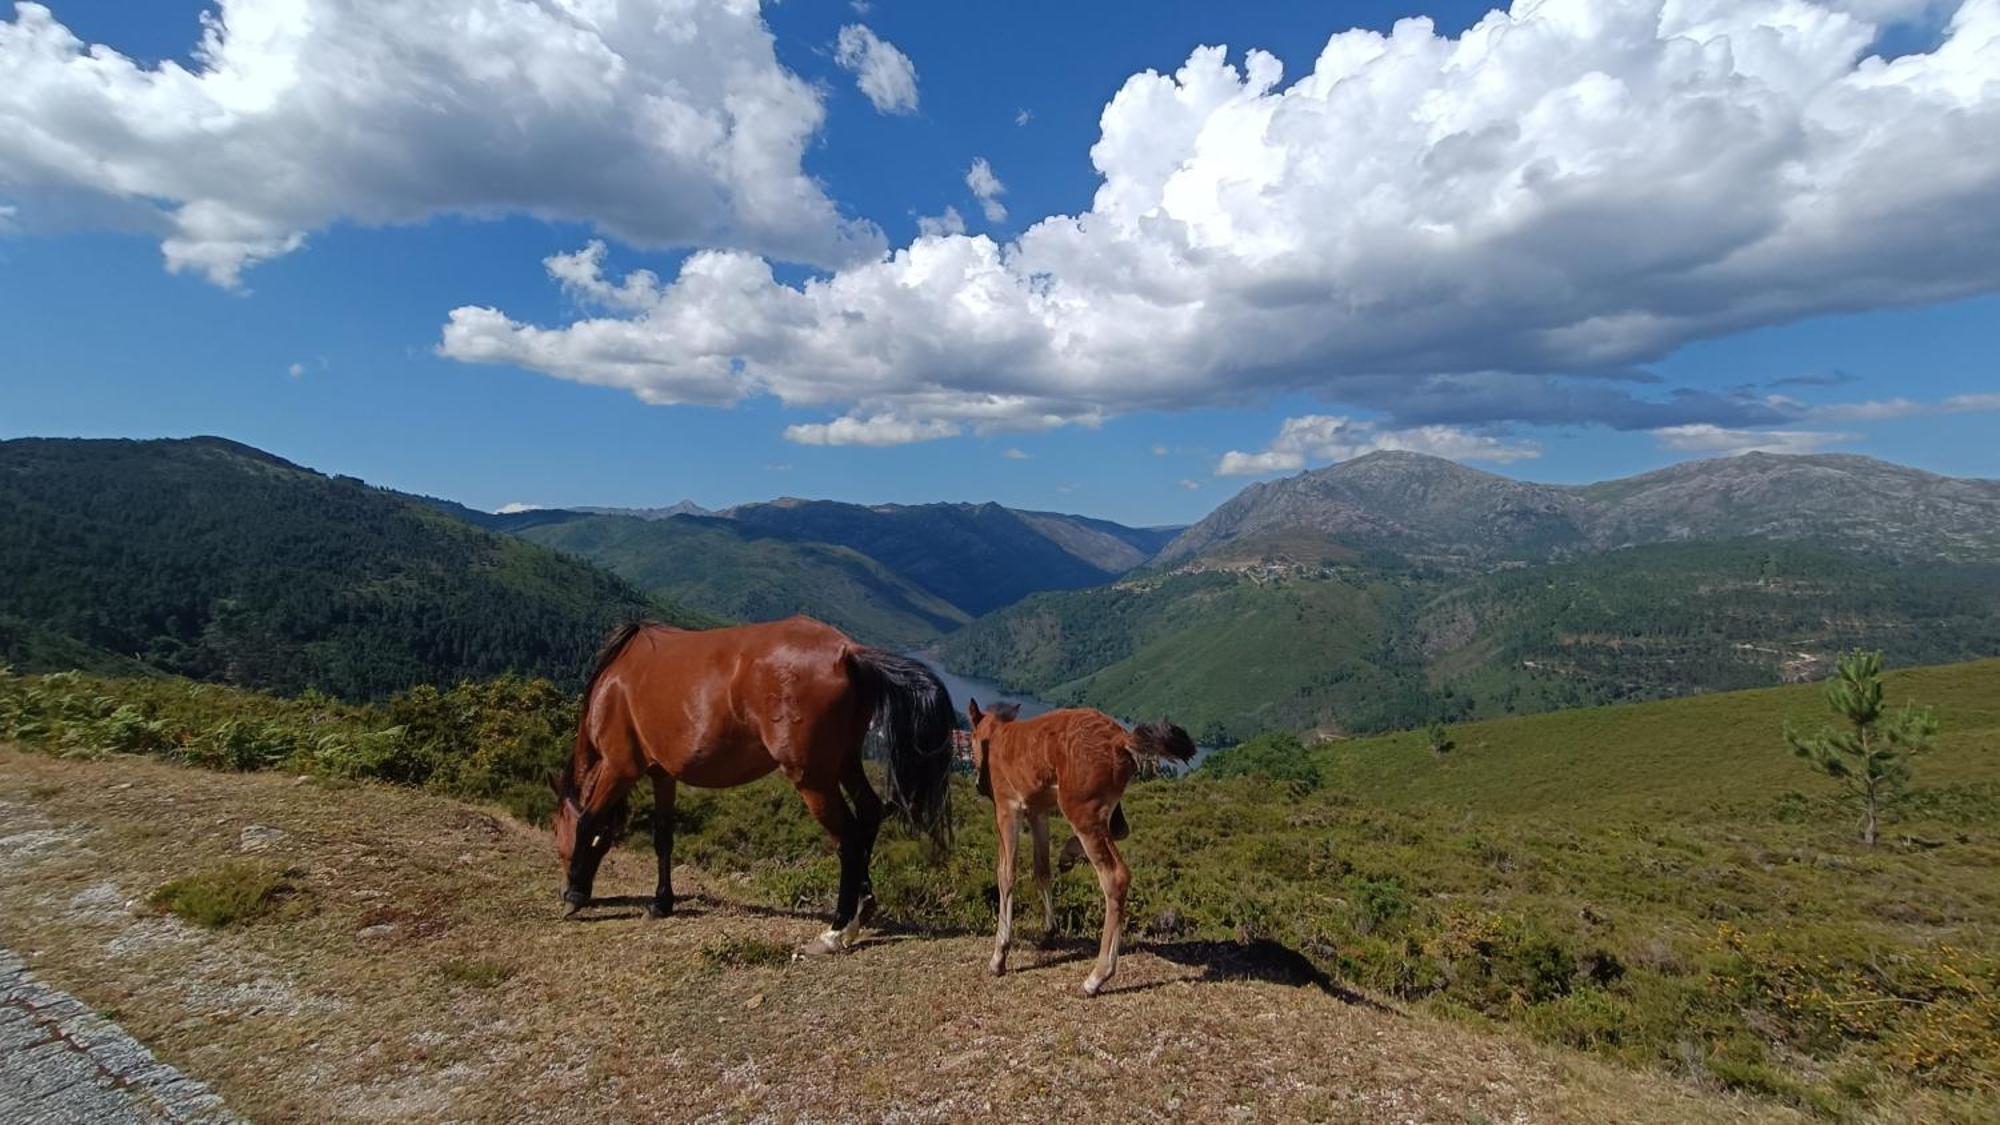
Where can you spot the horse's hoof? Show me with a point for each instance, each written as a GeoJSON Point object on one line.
{"type": "Point", "coordinates": [998, 967]}
{"type": "Point", "coordinates": [825, 945]}
{"type": "Point", "coordinates": [659, 908]}
{"type": "Point", "coordinates": [1092, 986]}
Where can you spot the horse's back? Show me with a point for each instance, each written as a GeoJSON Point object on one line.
{"type": "Point", "coordinates": [717, 706]}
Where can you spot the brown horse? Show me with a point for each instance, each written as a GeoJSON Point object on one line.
{"type": "Point", "coordinates": [1079, 761]}
{"type": "Point", "coordinates": [724, 707]}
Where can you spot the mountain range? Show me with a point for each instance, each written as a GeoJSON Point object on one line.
{"type": "Point", "coordinates": [1375, 593]}
{"type": "Point", "coordinates": [1395, 588]}
{"type": "Point", "coordinates": [1428, 508]}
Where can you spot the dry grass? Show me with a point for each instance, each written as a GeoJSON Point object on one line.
{"type": "Point", "coordinates": [434, 980]}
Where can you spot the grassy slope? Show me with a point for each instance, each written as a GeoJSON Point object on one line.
{"type": "Point", "coordinates": [1658, 884]}
{"type": "Point", "coordinates": [713, 565]}
{"type": "Point", "coordinates": [1368, 647]}
{"type": "Point", "coordinates": [1676, 757]}
{"type": "Point", "coordinates": [420, 972]}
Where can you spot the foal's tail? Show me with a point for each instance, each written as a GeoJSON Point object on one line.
{"type": "Point", "coordinates": [1160, 740]}
{"type": "Point", "coordinates": [917, 720]}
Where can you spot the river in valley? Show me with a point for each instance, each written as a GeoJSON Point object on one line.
{"type": "Point", "coordinates": [988, 693]}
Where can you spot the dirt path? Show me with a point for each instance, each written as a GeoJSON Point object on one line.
{"type": "Point", "coordinates": [425, 974]}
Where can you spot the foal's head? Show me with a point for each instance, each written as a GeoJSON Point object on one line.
{"type": "Point", "coordinates": [984, 724]}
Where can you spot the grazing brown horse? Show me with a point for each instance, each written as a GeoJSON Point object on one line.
{"type": "Point", "coordinates": [1080, 762]}
{"type": "Point", "coordinates": [724, 707]}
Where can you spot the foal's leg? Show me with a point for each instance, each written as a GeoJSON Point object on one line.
{"type": "Point", "coordinates": [1008, 821]}
{"type": "Point", "coordinates": [663, 844]}
{"type": "Point", "coordinates": [826, 806]}
{"type": "Point", "coordinates": [1043, 880]}
{"type": "Point", "coordinates": [1113, 877]}
{"type": "Point", "coordinates": [868, 821]}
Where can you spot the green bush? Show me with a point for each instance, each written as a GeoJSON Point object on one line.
{"type": "Point", "coordinates": [229, 895]}
{"type": "Point", "coordinates": [1278, 756]}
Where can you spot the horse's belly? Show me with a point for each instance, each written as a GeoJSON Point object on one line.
{"type": "Point", "coordinates": [721, 767]}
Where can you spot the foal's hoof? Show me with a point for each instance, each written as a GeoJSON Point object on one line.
{"type": "Point", "coordinates": [825, 945]}
{"type": "Point", "coordinates": [659, 908]}
{"type": "Point", "coordinates": [1092, 986]}
{"type": "Point", "coordinates": [576, 900]}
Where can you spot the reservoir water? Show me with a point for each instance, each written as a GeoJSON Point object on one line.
{"type": "Point", "coordinates": [988, 693]}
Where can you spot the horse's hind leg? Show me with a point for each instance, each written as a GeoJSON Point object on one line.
{"type": "Point", "coordinates": [1044, 881]}
{"type": "Point", "coordinates": [1113, 877]}
{"type": "Point", "coordinates": [1072, 852]}
{"type": "Point", "coordinates": [827, 807]}
{"type": "Point", "coordinates": [663, 844]}
{"type": "Point", "coordinates": [1008, 821]}
{"type": "Point", "coordinates": [867, 822]}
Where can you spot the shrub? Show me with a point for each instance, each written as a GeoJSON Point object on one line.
{"type": "Point", "coordinates": [1279, 756]}
{"type": "Point", "coordinates": [229, 895]}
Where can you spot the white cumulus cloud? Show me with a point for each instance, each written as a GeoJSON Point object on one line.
{"type": "Point", "coordinates": [937, 226]}
{"type": "Point", "coordinates": [988, 188]}
{"type": "Point", "coordinates": [886, 75]}
{"type": "Point", "coordinates": [1568, 189]}
{"type": "Point", "coordinates": [881, 429]}
{"type": "Point", "coordinates": [1323, 438]}
{"type": "Point", "coordinates": [1892, 408]}
{"type": "Point", "coordinates": [663, 122]}
{"type": "Point", "coordinates": [1705, 438]}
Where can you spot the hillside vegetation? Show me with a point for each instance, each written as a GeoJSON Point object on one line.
{"type": "Point", "coordinates": [724, 568]}
{"type": "Point", "coordinates": [213, 560]}
{"type": "Point", "coordinates": [977, 557]}
{"type": "Point", "coordinates": [1660, 885]}
{"type": "Point", "coordinates": [1231, 651]}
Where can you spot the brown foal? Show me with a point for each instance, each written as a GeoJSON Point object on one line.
{"type": "Point", "coordinates": [1078, 761]}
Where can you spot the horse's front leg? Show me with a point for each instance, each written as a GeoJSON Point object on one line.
{"type": "Point", "coordinates": [663, 844]}
{"type": "Point", "coordinates": [1008, 821]}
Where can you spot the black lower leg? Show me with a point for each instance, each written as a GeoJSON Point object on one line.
{"type": "Point", "coordinates": [663, 848]}
{"type": "Point", "coordinates": [853, 874]}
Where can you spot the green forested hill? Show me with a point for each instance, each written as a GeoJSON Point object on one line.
{"type": "Point", "coordinates": [723, 567]}
{"type": "Point", "coordinates": [211, 559]}
{"type": "Point", "coordinates": [978, 557]}
{"type": "Point", "coordinates": [1229, 652]}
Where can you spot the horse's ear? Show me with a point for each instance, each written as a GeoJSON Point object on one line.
{"type": "Point", "coordinates": [972, 711]}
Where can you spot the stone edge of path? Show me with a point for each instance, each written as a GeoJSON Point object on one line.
{"type": "Point", "coordinates": [118, 1064]}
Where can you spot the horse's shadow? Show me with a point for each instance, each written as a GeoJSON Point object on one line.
{"type": "Point", "coordinates": [1262, 959]}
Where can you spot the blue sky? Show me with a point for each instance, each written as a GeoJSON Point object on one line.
{"type": "Point", "coordinates": [104, 340]}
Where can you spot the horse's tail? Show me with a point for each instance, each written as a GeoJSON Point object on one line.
{"type": "Point", "coordinates": [568, 782]}
{"type": "Point", "coordinates": [1161, 740]}
{"type": "Point", "coordinates": [917, 720]}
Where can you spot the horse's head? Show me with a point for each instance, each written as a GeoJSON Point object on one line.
{"type": "Point", "coordinates": [582, 837]}
{"type": "Point", "coordinates": [568, 812]}
{"type": "Point", "coordinates": [984, 724]}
